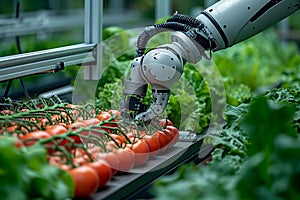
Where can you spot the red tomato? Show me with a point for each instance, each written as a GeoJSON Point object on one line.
{"type": "Point", "coordinates": [76, 138]}
{"type": "Point", "coordinates": [169, 137]}
{"type": "Point", "coordinates": [56, 129]}
{"type": "Point", "coordinates": [175, 133]}
{"type": "Point", "coordinates": [153, 143]}
{"type": "Point", "coordinates": [74, 126]}
{"type": "Point", "coordinates": [91, 121]}
{"type": "Point", "coordinates": [141, 151]}
{"type": "Point", "coordinates": [108, 127]}
{"type": "Point", "coordinates": [7, 112]}
{"type": "Point", "coordinates": [103, 116]}
{"type": "Point", "coordinates": [126, 159]}
{"type": "Point", "coordinates": [111, 159]}
{"type": "Point", "coordinates": [118, 138]}
{"type": "Point", "coordinates": [163, 140]}
{"type": "Point", "coordinates": [103, 170]}
{"type": "Point", "coordinates": [11, 128]}
{"type": "Point", "coordinates": [86, 181]}
{"type": "Point", "coordinates": [32, 137]}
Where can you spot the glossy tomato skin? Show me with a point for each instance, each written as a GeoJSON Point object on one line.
{"type": "Point", "coordinates": [163, 140]}
{"type": "Point", "coordinates": [32, 137]}
{"type": "Point", "coordinates": [56, 129]}
{"type": "Point", "coordinates": [91, 121]}
{"type": "Point", "coordinates": [103, 116]}
{"type": "Point", "coordinates": [126, 159]}
{"type": "Point", "coordinates": [153, 143]}
{"type": "Point", "coordinates": [73, 127]}
{"type": "Point", "coordinates": [174, 132]}
{"type": "Point", "coordinates": [86, 181]}
{"type": "Point", "coordinates": [108, 127]}
{"type": "Point", "coordinates": [76, 139]}
{"type": "Point", "coordinates": [111, 158]}
{"type": "Point", "coordinates": [141, 151]}
{"type": "Point", "coordinates": [118, 138]}
{"type": "Point", "coordinates": [103, 170]}
{"type": "Point", "coordinates": [169, 137]}
{"type": "Point", "coordinates": [95, 130]}
{"type": "Point", "coordinates": [12, 128]}
{"type": "Point", "coordinates": [76, 125]}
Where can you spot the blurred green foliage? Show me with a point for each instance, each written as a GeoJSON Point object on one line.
{"type": "Point", "coordinates": [256, 156]}
{"type": "Point", "coordinates": [258, 61]}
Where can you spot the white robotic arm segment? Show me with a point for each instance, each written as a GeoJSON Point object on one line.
{"type": "Point", "coordinates": [158, 106]}
{"type": "Point", "coordinates": [232, 21]}
{"type": "Point", "coordinates": [220, 26]}
{"type": "Point", "coordinates": [161, 67]}
{"type": "Point", "coordinates": [135, 88]}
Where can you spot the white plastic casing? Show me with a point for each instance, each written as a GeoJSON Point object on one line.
{"type": "Point", "coordinates": [232, 21]}
{"type": "Point", "coordinates": [162, 67]}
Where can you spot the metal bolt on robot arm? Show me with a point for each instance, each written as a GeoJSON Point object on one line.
{"type": "Point", "coordinates": [220, 26]}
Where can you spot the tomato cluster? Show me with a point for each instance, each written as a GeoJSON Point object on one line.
{"type": "Point", "coordinates": [93, 150]}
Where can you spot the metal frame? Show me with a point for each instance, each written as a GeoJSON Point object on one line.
{"type": "Point", "coordinates": [26, 64]}
{"type": "Point", "coordinates": [162, 8]}
{"type": "Point", "coordinates": [93, 35]}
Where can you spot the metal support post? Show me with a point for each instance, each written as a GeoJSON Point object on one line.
{"type": "Point", "coordinates": [93, 35]}
{"type": "Point", "coordinates": [162, 8]}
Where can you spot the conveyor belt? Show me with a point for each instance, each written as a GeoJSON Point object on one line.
{"type": "Point", "coordinates": [127, 186]}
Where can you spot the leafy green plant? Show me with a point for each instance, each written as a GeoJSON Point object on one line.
{"type": "Point", "coordinates": [110, 96]}
{"type": "Point", "coordinates": [243, 67]}
{"type": "Point", "coordinates": [257, 62]}
{"type": "Point", "coordinates": [26, 174]}
{"type": "Point", "coordinates": [189, 103]}
{"type": "Point", "coordinates": [255, 157]}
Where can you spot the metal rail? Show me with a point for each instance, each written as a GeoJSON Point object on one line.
{"type": "Point", "coordinates": [50, 60]}
{"type": "Point", "coordinates": [26, 64]}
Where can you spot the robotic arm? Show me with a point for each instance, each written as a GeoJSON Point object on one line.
{"type": "Point", "coordinates": [220, 26]}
